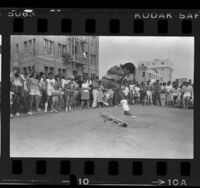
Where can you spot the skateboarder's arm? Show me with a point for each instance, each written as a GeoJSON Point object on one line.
{"type": "Point", "coordinates": [116, 70]}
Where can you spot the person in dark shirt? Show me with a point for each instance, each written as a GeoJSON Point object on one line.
{"type": "Point", "coordinates": [113, 80]}
{"type": "Point", "coordinates": [157, 89]}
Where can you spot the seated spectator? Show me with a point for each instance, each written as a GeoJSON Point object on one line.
{"type": "Point", "coordinates": [176, 94]}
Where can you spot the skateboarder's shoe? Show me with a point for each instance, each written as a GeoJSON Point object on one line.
{"type": "Point", "coordinates": [30, 113]}
{"type": "Point", "coordinates": [128, 113]}
{"type": "Point", "coordinates": [105, 103]}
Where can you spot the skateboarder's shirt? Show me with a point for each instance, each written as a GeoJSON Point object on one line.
{"type": "Point", "coordinates": [114, 73]}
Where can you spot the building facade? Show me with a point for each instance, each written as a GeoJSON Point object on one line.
{"type": "Point", "coordinates": [162, 67]}
{"type": "Point", "coordinates": [66, 55]}
{"type": "Point", "coordinates": [143, 74]}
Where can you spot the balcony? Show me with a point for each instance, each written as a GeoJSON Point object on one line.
{"type": "Point", "coordinates": [77, 59]}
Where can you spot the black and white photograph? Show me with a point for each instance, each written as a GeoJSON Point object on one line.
{"type": "Point", "coordinates": [102, 96]}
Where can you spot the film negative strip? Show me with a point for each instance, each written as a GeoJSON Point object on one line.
{"type": "Point", "coordinates": [100, 97]}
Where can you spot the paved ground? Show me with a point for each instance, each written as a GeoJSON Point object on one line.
{"type": "Point", "coordinates": [156, 132]}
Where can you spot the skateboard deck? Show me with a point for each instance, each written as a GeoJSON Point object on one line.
{"type": "Point", "coordinates": [115, 120]}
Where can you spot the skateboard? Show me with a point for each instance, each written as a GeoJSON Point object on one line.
{"type": "Point", "coordinates": [115, 120]}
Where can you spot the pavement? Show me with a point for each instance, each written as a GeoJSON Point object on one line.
{"type": "Point", "coordinates": [156, 132]}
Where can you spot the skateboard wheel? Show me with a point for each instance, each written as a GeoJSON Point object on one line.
{"type": "Point", "coordinates": [124, 125]}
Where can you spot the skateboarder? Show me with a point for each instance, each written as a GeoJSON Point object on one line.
{"type": "Point", "coordinates": [113, 80]}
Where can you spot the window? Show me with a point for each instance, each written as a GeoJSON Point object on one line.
{"type": "Point", "coordinates": [46, 70]}
{"type": "Point", "coordinates": [17, 48]}
{"type": "Point", "coordinates": [143, 74]}
{"type": "Point", "coordinates": [45, 45]}
{"type": "Point", "coordinates": [63, 50]}
{"type": "Point", "coordinates": [64, 71]}
{"type": "Point", "coordinates": [52, 69]}
{"type": "Point", "coordinates": [59, 71]}
{"type": "Point", "coordinates": [50, 49]}
{"type": "Point", "coordinates": [59, 49]}
{"type": "Point", "coordinates": [25, 46]}
{"type": "Point", "coordinates": [91, 58]}
{"type": "Point", "coordinates": [24, 69]}
{"type": "Point", "coordinates": [29, 69]}
{"type": "Point", "coordinates": [30, 47]}
{"type": "Point", "coordinates": [33, 46]}
{"type": "Point", "coordinates": [153, 63]}
{"type": "Point", "coordinates": [162, 63]}
{"type": "Point", "coordinates": [75, 73]}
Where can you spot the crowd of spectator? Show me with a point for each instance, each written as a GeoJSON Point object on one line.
{"type": "Point", "coordinates": [171, 94]}
{"type": "Point", "coordinates": [36, 92]}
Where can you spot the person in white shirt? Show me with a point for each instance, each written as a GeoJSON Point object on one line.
{"type": "Point", "coordinates": [187, 94]}
{"type": "Point", "coordinates": [50, 82]}
{"type": "Point", "coordinates": [131, 90]}
{"type": "Point", "coordinates": [85, 96]}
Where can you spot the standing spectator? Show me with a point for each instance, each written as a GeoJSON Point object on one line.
{"type": "Point", "coordinates": [58, 84]}
{"type": "Point", "coordinates": [131, 92]}
{"type": "Point", "coordinates": [125, 89]}
{"type": "Point", "coordinates": [85, 93]}
{"type": "Point", "coordinates": [50, 82]}
{"type": "Point", "coordinates": [69, 93]}
{"type": "Point", "coordinates": [143, 93]}
{"type": "Point", "coordinates": [169, 93]}
{"type": "Point", "coordinates": [55, 95]}
{"type": "Point", "coordinates": [190, 82]}
{"type": "Point", "coordinates": [34, 91]}
{"type": "Point", "coordinates": [137, 93]}
{"type": "Point", "coordinates": [79, 81]}
{"type": "Point", "coordinates": [157, 89]}
{"type": "Point", "coordinates": [12, 95]}
{"type": "Point", "coordinates": [95, 87]}
{"type": "Point", "coordinates": [42, 84]}
{"type": "Point", "coordinates": [163, 94]}
{"type": "Point", "coordinates": [26, 103]}
{"type": "Point", "coordinates": [187, 94]}
{"type": "Point", "coordinates": [100, 97]}
{"type": "Point", "coordinates": [17, 82]}
{"type": "Point", "coordinates": [149, 92]}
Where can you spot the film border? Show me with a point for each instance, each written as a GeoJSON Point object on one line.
{"type": "Point", "coordinates": [123, 171]}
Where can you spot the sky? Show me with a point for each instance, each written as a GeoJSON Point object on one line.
{"type": "Point", "coordinates": [115, 50]}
